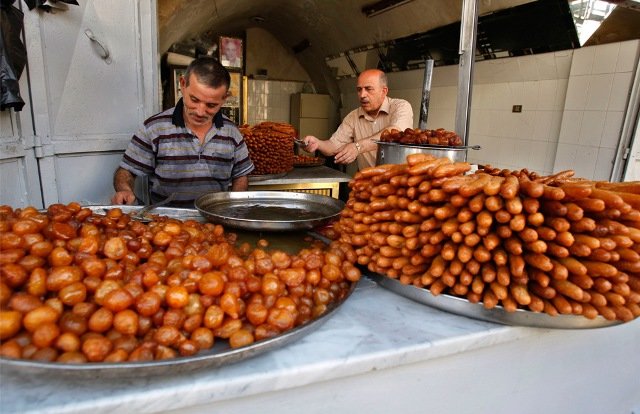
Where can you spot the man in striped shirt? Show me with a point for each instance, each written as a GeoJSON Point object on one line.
{"type": "Point", "coordinates": [190, 149]}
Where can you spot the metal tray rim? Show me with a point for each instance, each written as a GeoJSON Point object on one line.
{"type": "Point", "coordinates": [209, 359]}
{"type": "Point", "coordinates": [463, 307]}
{"type": "Point", "coordinates": [174, 212]}
{"type": "Point", "coordinates": [431, 146]}
{"type": "Point", "coordinates": [269, 225]}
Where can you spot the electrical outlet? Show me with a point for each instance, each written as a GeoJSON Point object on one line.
{"type": "Point", "coordinates": [517, 108]}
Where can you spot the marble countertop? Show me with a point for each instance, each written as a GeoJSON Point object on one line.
{"type": "Point", "coordinates": [373, 330]}
{"type": "Point", "coordinates": [305, 175]}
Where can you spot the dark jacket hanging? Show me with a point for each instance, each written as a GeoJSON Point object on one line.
{"type": "Point", "coordinates": [13, 55]}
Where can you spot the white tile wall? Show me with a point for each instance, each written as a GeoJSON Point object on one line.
{"type": "Point", "coordinates": [620, 91]}
{"type": "Point", "coordinates": [570, 128]}
{"type": "Point", "coordinates": [542, 125]}
{"type": "Point", "coordinates": [585, 161]}
{"type": "Point", "coordinates": [577, 92]}
{"type": "Point", "coordinates": [604, 164]}
{"type": "Point", "coordinates": [599, 91]}
{"type": "Point", "coordinates": [596, 100]}
{"type": "Point", "coordinates": [612, 129]}
{"type": "Point", "coordinates": [605, 58]}
{"type": "Point", "coordinates": [269, 100]}
{"type": "Point", "coordinates": [545, 65]}
{"type": "Point", "coordinates": [582, 62]}
{"type": "Point", "coordinates": [627, 57]}
{"type": "Point", "coordinates": [536, 158]}
{"type": "Point", "coordinates": [562, 60]}
{"type": "Point", "coordinates": [547, 90]}
{"type": "Point", "coordinates": [573, 109]}
{"type": "Point", "coordinates": [528, 67]}
{"type": "Point", "coordinates": [591, 128]}
{"type": "Point", "coordinates": [517, 140]}
{"type": "Point", "coordinates": [565, 156]}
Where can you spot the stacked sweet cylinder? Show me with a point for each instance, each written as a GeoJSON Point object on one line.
{"type": "Point", "coordinates": [270, 146]}
{"type": "Point", "coordinates": [553, 244]}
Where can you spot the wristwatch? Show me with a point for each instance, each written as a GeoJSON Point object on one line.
{"type": "Point", "coordinates": [357, 144]}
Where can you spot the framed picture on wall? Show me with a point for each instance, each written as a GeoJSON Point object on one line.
{"type": "Point", "coordinates": [232, 105]}
{"type": "Point", "coordinates": [235, 90]}
{"type": "Point", "coordinates": [231, 52]}
{"type": "Point", "coordinates": [177, 74]}
{"type": "Point", "coordinates": [232, 113]}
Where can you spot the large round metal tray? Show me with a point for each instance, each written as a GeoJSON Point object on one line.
{"type": "Point", "coordinates": [221, 354]}
{"type": "Point", "coordinates": [463, 307]}
{"type": "Point", "coordinates": [173, 212]}
{"type": "Point", "coordinates": [269, 210]}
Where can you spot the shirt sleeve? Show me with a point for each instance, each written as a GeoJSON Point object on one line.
{"type": "Point", "coordinates": [401, 115]}
{"type": "Point", "coordinates": [346, 131]}
{"type": "Point", "coordinates": [242, 164]}
{"type": "Point", "coordinates": [140, 157]}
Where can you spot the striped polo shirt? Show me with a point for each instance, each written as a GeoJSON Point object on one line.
{"type": "Point", "coordinates": [171, 155]}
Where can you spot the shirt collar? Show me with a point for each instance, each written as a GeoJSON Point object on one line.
{"type": "Point", "coordinates": [383, 108]}
{"type": "Point", "coordinates": [178, 116]}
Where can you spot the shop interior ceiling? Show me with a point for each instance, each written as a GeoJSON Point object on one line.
{"type": "Point", "coordinates": [330, 26]}
{"type": "Point", "coordinates": [313, 29]}
{"type": "Point", "coordinates": [319, 30]}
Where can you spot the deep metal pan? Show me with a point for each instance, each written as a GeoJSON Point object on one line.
{"type": "Point", "coordinates": [269, 210]}
{"type": "Point", "coordinates": [396, 153]}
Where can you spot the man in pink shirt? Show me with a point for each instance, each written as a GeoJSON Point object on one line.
{"type": "Point", "coordinates": [356, 137]}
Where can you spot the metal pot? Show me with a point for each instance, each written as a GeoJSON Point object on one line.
{"type": "Point", "coordinates": [396, 153]}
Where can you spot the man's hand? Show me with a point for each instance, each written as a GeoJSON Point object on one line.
{"type": "Point", "coordinates": [123, 182]}
{"type": "Point", "coordinates": [311, 143]}
{"type": "Point", "coordinates": [347, 154]}
{"type": "Point", "coordinates": [123, 197]}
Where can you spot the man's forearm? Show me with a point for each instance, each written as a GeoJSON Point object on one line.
{"type": "Point", "coordinates": [240, 184]}
{"type": "Point", "coordinates": [369, 143]}
{"type": "Point", "coordinates": [123, 180]}
{"type": "Point", "coordinates": [328, 148]}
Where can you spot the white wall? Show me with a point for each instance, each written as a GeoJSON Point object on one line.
{"type": "Point", "coordinates": [528, 138]}
{"type": "Point", "coordinates": [597, 95]}
{"type": "Point", "coordinates": [265, 52]}
{"type": "Point", "coordinates": [269, 100]}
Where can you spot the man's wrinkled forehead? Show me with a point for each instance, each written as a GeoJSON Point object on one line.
{"type": "Point", "coordinates": [368, 84]}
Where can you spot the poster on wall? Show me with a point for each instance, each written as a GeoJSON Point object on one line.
{"type": "Point", "coordinates": [231, 52]}
{"type": "Point", "coordinates": [177, 74]}
{"type": "Point", "coordinates": [233, 96]}
{"type": "Point", "coordinates": [232, 105]}
{"type": "Point", "coordinates": [232, 113]}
